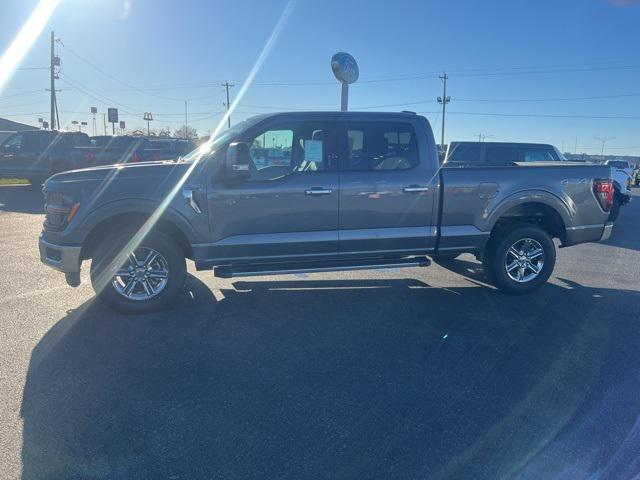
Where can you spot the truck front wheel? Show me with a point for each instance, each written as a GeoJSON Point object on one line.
{"type": "Point", "coordinates": [149, 276]}
{"type": "Point", "coordinates": [520, 260]}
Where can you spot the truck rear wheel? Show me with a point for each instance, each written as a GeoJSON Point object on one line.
{"type": "Point", "coordinates": [149, 278]}
{"type": "Point", "coordinates": [521, 260]}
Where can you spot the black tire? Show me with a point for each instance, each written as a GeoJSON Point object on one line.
{"type": "Point", "coordinates": [495, 259]}
{"type": "Point", "coordinates": [171, 254]}
{"type": "Point", "coordinates": [615, 209]}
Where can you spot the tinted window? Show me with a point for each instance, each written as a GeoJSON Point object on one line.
{"type": "Point", "coordinates": [538, 155]}
{"type": "Point", "coordinates": [14, 141]}
{"type": "Point", "coordinates": [281, 151]}
{"type": "Point", "coordinates": [464, 153]}
{"type": "Point", "coordinates": [380, 146]}
{"type": "Point", "coordinates": [501, 155]}
{"type": "Point", "coordinates": [32, 142]}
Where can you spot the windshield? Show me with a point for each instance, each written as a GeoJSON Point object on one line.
{"type": "Point", "coordinates": [221, 139]}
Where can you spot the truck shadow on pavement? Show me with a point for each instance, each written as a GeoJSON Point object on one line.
{"type": "Point", "coordinates": [340, 379]}
{"type": "Point", "coordinates": [21, 199]}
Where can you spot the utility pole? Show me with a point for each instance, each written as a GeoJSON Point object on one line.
{"type": "Point", "coordinates": [104, 123]}
{"type": "Point", "coordinates": [482, 137]}
{"type": "Point", "coordinates": [228, 85]}
{"type": "Point", "coordinates": [53, 83]}
{"type": "Point", "coordinates": [575, 146]}
{"type": "Point", "coordinates": [603, 140]}
{"type": "Point", "coordinates": [443, 100]}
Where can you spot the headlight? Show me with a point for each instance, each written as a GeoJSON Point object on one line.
{"type": "Point", "coordinates": [60, 208]}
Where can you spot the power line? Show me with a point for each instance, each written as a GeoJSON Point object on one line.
{"type": "Point", "coordinates": [549, 99]}
{"type": "Point", "coordinates": [21, 94]}
{"type": "Point", "coordinates": [122, 82]}
{"type": "Point", "coordinates": [96, 96]}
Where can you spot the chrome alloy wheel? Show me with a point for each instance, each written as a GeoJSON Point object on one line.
{"type": "Point", "coordinates": [143, 276]}
{"type": "Point", "coordinates": [524, 260]}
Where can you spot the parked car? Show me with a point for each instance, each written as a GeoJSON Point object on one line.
{"type": "Point", "coordinates": [621, 164]}
{"type": "Point", "coordinates": [174, 147]}
{"type": "Point", "coordinates": [38, 154]}
{"type": "Point", "coordinates": [622, 172]}
{"type": "Point", "coordinates": [107, 150]}
{"type": "Point", "coordinates": [359, 191]}
{"type": "Point", "coordinates": [474, 154]}
{"type": "Point", "coordinates": [635, 179]}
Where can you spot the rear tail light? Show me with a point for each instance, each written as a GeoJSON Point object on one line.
{"type": "Point", "coordinates": [603, 189]}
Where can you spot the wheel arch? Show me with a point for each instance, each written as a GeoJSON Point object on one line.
{"type": "Point", "coordinates": [536, 208]}
{"type": "Point", "coordinates": [116, 217]}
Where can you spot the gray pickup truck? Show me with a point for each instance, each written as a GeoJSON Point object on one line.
{"type": "Point", "coordinates": [314, 192]}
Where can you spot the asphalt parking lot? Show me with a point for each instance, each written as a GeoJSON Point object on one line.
{"type": "Point", "coordinates": [408, 373]}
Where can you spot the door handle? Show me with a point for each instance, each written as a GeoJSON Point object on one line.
{"type": "Point", "coordinates": [318, 191]}
{"type": "Point", "coordinates": [188, 195]}
{"type": "Point", "coordinates": [415, 188]}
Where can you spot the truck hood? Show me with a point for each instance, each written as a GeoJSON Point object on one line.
{"type": "Point", "coordinates": [130, 171]}
{"type": "Point", "coordinates": [95, 186]}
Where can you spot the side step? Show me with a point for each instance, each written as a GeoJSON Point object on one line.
{"type": "Point", "coordinates": [230, 271]}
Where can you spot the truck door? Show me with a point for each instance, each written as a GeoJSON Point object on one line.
{"type": "Point", "coordinates": [288, 207]}
{"type": "Point", "coordinates": [388, 189]}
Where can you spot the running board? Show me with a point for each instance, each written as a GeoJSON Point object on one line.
{"type": "Point", "coordinates": [230, 271]}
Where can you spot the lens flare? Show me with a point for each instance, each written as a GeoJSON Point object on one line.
{"type": "Point", "coordinates": [25, 39]}
{"type": "Point", "coordinates": [105, 277]}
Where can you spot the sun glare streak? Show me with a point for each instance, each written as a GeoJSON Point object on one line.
{"type": "Point", "coordinates": [137, 238]}
{"type": "Point", "coordinates": [25, 39]}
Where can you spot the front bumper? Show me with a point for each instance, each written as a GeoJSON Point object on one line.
{"type": "Point", "coordinates": [60, 257]}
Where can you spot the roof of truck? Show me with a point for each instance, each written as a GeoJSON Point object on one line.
{"type": "Point", "coordinates": [332, 113]}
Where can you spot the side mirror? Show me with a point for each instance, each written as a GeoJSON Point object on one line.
{"type": "Point", "coordinates": [238, 160]}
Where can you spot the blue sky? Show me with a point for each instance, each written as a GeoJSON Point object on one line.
{"type": "Point", "coordinates": [158, 53]}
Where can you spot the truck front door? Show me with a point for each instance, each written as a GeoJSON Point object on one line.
{"type": "Point", "coordinates": [288, 207]}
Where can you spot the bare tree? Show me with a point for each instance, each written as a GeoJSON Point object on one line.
{"type": "Point", "coordinates": [186, 132]}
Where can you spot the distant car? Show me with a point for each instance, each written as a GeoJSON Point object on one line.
{"type": "Point", "coordinates": [178, 147]}
{"type": "Point", "coordinates": [38, 154]}
{"type": "Point", "coordinates": [635, 179]}
{"type": "Point", "coordinates": [107, 150]}
{"type": "Point", "coordinates": [621, 165]}
{"type": "Point", "coordinates": [622, 174]}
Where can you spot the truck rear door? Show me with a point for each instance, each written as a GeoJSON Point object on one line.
{"type": "Point", "coordinates": [387, 188]}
